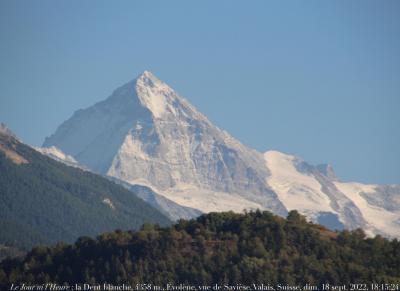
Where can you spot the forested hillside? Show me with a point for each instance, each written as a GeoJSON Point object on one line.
{"type": "Point", "coordinates": [43, 201]}
{"type": "Point", "coordinates": [256, 247]}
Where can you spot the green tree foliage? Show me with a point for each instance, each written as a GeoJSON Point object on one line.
{"type": "Point", "coordinates": [44, 201]}
{"type": "Point", "coordinates": [220, 248]}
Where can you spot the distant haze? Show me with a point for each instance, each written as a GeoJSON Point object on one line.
{"type": "Point", "coordinates": [320, 80]}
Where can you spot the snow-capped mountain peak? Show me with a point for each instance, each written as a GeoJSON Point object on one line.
{"type": "Point", "coordinates": [154, 94]}
{"type": "Point", "coordinates": [146, 134]}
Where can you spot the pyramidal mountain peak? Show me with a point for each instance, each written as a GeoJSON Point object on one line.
{"type": "Point", "coordinates": [152, 94]}
{"type": "Point", "coordinates": [146, 134]}
{"type": "Point", "coordinates": [146, 74]}
{"type": "Point", "coordinates": [148, 79]}
{"type": "Point", "coordinates": [155, 95]}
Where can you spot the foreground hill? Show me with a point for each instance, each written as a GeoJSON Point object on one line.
{"type": "Point", "coordinates": [229, 248]}
{"type": "Point", "coordinates": [43, 201]}
{"type": "Point", "coordinates": [146, 134]}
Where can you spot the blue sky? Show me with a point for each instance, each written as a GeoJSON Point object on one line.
{"type": "Point", "coordinates": [318, 79]}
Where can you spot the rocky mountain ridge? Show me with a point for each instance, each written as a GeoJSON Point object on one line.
{"type": "Point", "coordinates": [146, 134]}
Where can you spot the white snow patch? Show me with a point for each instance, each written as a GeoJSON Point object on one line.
{"type": "Point", "coordinates": [132, 147]}
{"type": "Point", "coordinates": [209, 201]}
{"type": "Point", "coordinates": [294, 189]}
{"type": "Point", "coordinates": [202, 199]}
{"type": "Point", "coordinates": [138, 127]}
{"type": "Point", "coordinates": [152, 93]}
{"type": "Point", "coordinates": [377, 217]}
{"type": "Point", "coordinates": [57, 154]}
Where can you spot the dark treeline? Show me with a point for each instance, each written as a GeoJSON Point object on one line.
{"type": "Point", "coordinates": [256, 247]}
{"type": "Point", "coordinates": [43, 201]}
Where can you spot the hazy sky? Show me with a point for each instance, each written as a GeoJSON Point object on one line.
{"type": "Point", "coordinates": [318, 79]}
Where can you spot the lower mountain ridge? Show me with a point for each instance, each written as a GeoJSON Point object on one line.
{"type": "Point", "coordinates": [146, 134]}
{"type": "Point", "coordinates": [228, 249]}
{"type": "Point", "coordinates": [43, 201]}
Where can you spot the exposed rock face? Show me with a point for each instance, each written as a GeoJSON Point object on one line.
{"type": "Point", "coordinates": [5, 131]}
{"type": "Point", "coordinates": [146, 134]}
{"type": "Point", "coordinates": [8, 144]}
